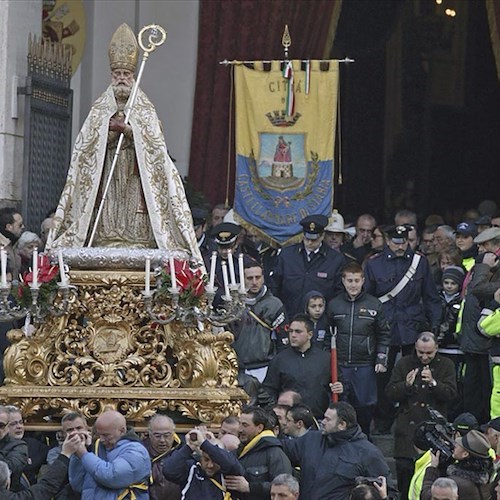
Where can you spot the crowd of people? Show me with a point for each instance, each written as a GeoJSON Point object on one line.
{"type": "Point", "coordinates": [413, 315]}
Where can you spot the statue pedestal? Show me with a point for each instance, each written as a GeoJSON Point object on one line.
{"type": "Point", "coordinates": [106, 352]}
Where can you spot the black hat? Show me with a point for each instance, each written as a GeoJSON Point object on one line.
{"type": "Point", "coordinates": [398, 234]}
{"type": "Point", "coordinates": [226, 233]}
{"type": "Point", "coordinates": [467, 228]}
{"type": "Point", "coordinates": [493, 424]}
{"type": "Point", "coordinates": [314, 225]}
{"type": "Point", "coordinates": [465, 422]}
{"type": "Point", "coordinates": [484, 220]}
{"type": "Point", "coordinates": [455, 273]}
{"type": "Point", "coordinates": [199, 216]}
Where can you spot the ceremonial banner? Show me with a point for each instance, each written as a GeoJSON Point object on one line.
{"type": "Point", "coordinates": [285, 139]}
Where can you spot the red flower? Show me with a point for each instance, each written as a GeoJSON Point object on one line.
{"type": "Point", "coordinates": [190, 281]}
{"type": "Point", "coordinates": [46, 271]}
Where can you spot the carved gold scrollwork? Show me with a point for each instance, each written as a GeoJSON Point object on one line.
{"type": "Point", "coordinates": [106, 342]}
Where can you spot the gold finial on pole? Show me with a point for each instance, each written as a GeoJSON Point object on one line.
{"type": "Point", "coordinates": [286, 40]}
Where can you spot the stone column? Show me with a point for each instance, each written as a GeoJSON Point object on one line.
{"type": "Point", "coordinates": [18, 18]}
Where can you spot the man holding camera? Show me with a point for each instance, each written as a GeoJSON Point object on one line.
{"type": "Point", "coordinates": [420, 380]}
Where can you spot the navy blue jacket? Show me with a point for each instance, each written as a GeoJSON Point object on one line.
{"type": "Point", "coordinates": [330, 463]}
{"type": "Point", "coordinates": [294, 276]}
{"type": "Point", "coordinates": [417, 307]}
{"type": "Point", "coordinates": [178, 466]}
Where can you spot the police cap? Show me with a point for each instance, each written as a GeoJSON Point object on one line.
{"type": "Point", "coordinates": [398, 234]}
{"type": "Point", "coordinates": [314, 225]}
{"type": "Point", "coordinates": [226, 233]}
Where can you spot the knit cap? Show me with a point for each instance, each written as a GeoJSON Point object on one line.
{"type": "Point", "coordinates": [454, 273]}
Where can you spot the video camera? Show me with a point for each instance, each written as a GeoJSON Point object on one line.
{"type": "Point", "coordinates": [436, 434]}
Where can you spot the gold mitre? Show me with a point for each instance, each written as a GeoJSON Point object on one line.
{"type": "Point", "coordinates": [123, 49]}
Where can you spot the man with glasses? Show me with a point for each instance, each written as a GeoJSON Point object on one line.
{"type": "Point", "coordinates": [360, 246]}
{"type": "Point", "coordinates": [37, 451]}
{"type": "Point", "coordinates": [161, 442]}
{"type": "Point", "coordinates": [14, 452]}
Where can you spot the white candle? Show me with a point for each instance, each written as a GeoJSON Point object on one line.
{"type": "Point", "coordinates": [147, 287]}
{"type": "Point", "coordinates": [4, 267]}
{"type": "Point", "coordinates": [35, 268]}
{"type": "Point", "coordinates": [225, 279]}
{"type": "Point", "coordinates": [61, 268]}
{"type": "Point", "coordinates": [213, 264]}
{"type": "Point", "coordinates": [172, 274]}
{"type": "Point", "coordinates": [241, 270]}
{"type": "Point", "coordinates": [231, 268]}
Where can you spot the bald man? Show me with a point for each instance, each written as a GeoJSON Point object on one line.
{"type": "Point", "coordinates": [117, 465]}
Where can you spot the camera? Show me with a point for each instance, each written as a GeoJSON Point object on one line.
{"type": "Point", "coordinates": [436, 434]}
{"type": "Point", "coordinates": [367, 480]}
{"type": "Point", "coordinates": [193, 436]}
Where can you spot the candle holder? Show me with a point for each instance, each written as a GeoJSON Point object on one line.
{"type": "Point", "coordinates": [191, 301]}
{"type": "Point", "coordinates": [35, 301]}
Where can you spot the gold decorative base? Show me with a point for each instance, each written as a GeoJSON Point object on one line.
{"type": "Point", "coordinates": [105, 352]}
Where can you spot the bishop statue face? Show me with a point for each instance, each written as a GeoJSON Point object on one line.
{"type": "Point", "coordinates": [122, 81]}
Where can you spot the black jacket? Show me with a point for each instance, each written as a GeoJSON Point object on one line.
{"type": "Point", "coordinates": [414, 400]}
{"type": "Point", "coordinates": [362, 330]}
{"type": "Point", "coordinates": [14, 452]}
{"type": "Point", "coordinates": [307, 373]}
{"type": "Point", "coordinates": [47, 487]}
{"type": "Point", "coordinates": [330, 463]}
{"type": "Point", "coordinates": [262, 464]}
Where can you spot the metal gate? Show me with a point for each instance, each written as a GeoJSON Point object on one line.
{"type": "Point", "coordinates": [47, 129]}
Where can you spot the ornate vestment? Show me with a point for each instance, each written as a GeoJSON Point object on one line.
{"type": "Point", "coordinates": [162, 188]}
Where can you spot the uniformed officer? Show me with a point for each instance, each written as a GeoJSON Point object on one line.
{"type": "Point", "coordinates": [401, 279]}
{"type": "Point", "coordinates": [206, 244]}
{"type": "Point", "coordinates": [309, 265]}
{"type": "Point", "coordinates": [225, 236]}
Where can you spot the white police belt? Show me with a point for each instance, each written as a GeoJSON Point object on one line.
{"type": "Point", "coordinates": [404, 280]}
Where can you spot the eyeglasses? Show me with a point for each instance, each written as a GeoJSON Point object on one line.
{"type": "Point", "coordinates": [3, 425]}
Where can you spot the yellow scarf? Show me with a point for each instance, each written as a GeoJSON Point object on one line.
{"type": "Point", "coordinates": [254, 441]}
{"type": "Point", "coordinates": [227, 495]}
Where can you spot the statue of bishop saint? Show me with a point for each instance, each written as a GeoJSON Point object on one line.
{"type": "Point", "coordinates": [146, 205]}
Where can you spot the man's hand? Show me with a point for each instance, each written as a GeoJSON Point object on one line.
{"type": "Point", "coordinates": [237, 483]}
{"type": "Point", "coordinates": [337, 387]}
{"type": "Point", "coordinates": [382, 490]}
{"type": "Point", "coordinates": [117, 125]}
{"type": "Point", "coordinates": [71, 444]}
{"type": "Point", "coordinates": [490, 259]}
{"type": "Point", "coordinates": [410, 378]}
{"type": "Point", "coordinates": [195, 437]}
{"type": "Point", "coordinates": [435, 458]}
{"type": "Point", "coordinates": [380, 368]}
{"type": "Point", "coordinates": [427, 375]}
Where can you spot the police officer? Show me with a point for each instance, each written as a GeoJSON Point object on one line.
{"type": "Point", "coordinates": [206, 244]}
{"type": "Point", "coordinates": [401, 279]}
{"type": "Point", "coordinates": [225, 236]}
{"type": "Point", "coordinates": [309, 265]}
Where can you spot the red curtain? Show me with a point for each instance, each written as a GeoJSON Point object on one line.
{"type": "Point", "coordinates": [244, 30]}
{"type": "Point", "coordinates": [493, 9]}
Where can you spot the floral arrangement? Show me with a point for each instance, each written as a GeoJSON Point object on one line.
{"type": "Point", "coordinates": [47, 277]}
{"type": "Point", "coordinates": [190, 282]}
